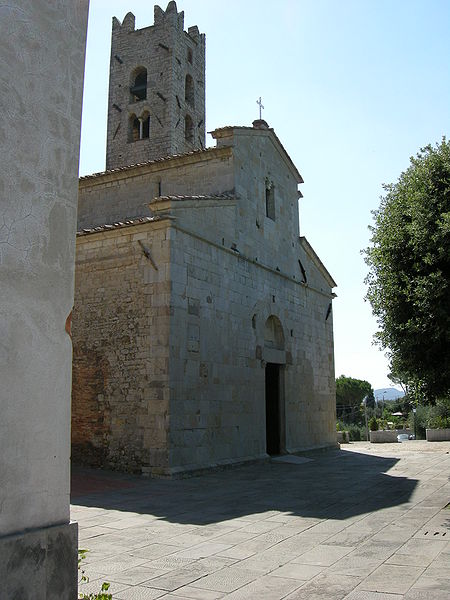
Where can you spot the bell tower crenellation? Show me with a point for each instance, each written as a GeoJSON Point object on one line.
{"type": "Point", "coordinates": [156, 89]}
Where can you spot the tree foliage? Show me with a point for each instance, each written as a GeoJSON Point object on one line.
{"type": "Point", "coordinates": [349, 395]}
{"type": "Point", "coordinates": [408, 281]}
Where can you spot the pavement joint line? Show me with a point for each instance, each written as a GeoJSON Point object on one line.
{"type": "Point", "coordinates": [410, 494]}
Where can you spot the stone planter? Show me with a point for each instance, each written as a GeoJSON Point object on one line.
{"type": "Point", "coordinates": [383, 436]}
{"type": "Point", "coordinates": [438, 435]}
{"type": "Point", "coordinates": [340, 437]}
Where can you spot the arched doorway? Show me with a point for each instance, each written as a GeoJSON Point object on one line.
{"type": "Point", "coordinates": [274, 388]}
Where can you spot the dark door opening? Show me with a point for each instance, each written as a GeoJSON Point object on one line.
{"type": "Point", "coordinates": [273, 413]}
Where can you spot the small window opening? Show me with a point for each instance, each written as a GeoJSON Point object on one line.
{"type": "Point", "coordinates": [270, 200]}
{"type": "Point", "coordinates": [139, 128]}
{"type": "Point", "coordinates": [189, 90]}
{"type": "Point", "coordinates": [189, 56]}
{"type": "Point", "coordinates": [138, 89]}
{"type": "Point", "coordinates": [134, 127]}
{"type": "Point", "coordinates": [188, 129]}
{"type": "Point", "coordinates": [145, 126]}
{"type": "Point", "coordinates": [159, 188]}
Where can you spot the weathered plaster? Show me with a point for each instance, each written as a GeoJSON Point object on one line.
{"type": "Point", "coordinates": [42, 46]}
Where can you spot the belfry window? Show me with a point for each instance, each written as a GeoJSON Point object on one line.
{"type": "Point", "coordinates": [189, 90]}
{"type": "Point", "coordinates": [145, 126]}
{"type": "Point", "coordinates": [138, 89]}
{"type": "Point", "coordinates": [270, 200]}
{"type": "Point", "coordinates": [134, 129]}
{"type": "Point", "coordinates": [139, 127]}
{"type": "Point", "coordinates": [188, 129]}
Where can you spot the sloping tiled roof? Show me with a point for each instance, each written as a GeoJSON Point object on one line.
{"type": "Point", "coordinates": [149, 162]}
{"type": "Point", "coordinates": [176, 198]}
{"type": "Point", "coordinates": [118, 225]}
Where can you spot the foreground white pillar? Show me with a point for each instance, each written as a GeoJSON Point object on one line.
{"type": "Point", "coordinates": [42, 47]}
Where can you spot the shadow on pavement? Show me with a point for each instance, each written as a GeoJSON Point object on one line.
{"type": "Point", "coordinates": [335, 485]}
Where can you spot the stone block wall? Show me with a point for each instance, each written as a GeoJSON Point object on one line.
{"type": "Point", "coordinates": [120, 401]}
{"type": "Point", "coordinates": [221, 302]}
{"type": "Point", "coordinates": [188, 391]}
{"type": "Point", "coordinates": [126, 194]}
{"type": "Point", "coordinates": [387, 435]}
{"type": "Point", "coordinates": [164, 50]}
{"type": "Point", "coordinates": [169, 365]}
{"type": "Point", "coordinates": [437, 435]}
{"type": "Point", "coordinates": [258, 163]}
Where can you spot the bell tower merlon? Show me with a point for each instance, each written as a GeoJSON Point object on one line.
{"type": "Point", "coordinates": [156, 89]}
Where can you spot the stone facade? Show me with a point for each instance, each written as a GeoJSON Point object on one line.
{"type": "Point", "coordinates": [121, 349]}
{"type": "Point", "coordinates": [177, 314]}
{"type": "Point", "coordinates": [156, 89]}
{"type": "Point", "coordinates": [203, 326]}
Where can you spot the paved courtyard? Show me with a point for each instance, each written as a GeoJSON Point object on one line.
{"type": "Point", "coordinates": [369, 522]}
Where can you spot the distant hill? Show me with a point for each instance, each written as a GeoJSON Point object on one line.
{"type": "Point", "coordinates": [389, 393]}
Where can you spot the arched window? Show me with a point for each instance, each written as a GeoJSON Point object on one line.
{"type": "Point", "coordinates": [273, 333]}
{"type": "Point", "coordinates": [189, 90]}
{"type": "Point", "coordinates": [188, 129]}
{"type": "Point", "coordinates": [133, 128]}
{"type": "Point", "coordinates": [138, 88]}
{"type": "Point", "coordinates": [139, 127]}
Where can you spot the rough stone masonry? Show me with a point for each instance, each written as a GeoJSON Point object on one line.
{"type": "Point", "coordinates": [202, 327]}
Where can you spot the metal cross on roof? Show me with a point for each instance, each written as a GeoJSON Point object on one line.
{"type": "Point", "coordinates": [261, 106]}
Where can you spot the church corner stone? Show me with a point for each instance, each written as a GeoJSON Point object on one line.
{"type": "Point", "coordinates": [202, 328]}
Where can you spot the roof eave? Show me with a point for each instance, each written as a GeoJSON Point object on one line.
{"type": "Point", "coordinates": [316, 260]}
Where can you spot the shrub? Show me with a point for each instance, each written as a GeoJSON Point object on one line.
{"type": "Point", "coordinates": [341, 426]}
{"type": "Point", "coordinates": [438, 422]}
{"type": "Point", "coordinates": [421, 421]}
{"type": "Point", "coordinates": [373, 424]}
{"type": "Point", "coordinates": [354, 433]}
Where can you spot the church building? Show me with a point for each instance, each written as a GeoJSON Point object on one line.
{"type": "Point", "coordinates": [203, 325]}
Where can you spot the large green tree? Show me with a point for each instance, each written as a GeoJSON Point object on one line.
{"type": "Point", "coordinates": [408, 281]}
{"type": "Point", "coordinates": [350, 393]}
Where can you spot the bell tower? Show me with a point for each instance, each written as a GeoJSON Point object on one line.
{"type": "Point", "coordinates": [156, 101]}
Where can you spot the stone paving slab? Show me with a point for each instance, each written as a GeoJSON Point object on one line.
{"type": "Point", "coordinates": [369, 522]}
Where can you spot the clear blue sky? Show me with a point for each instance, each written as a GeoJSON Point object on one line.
{"type": "Point", "coordinates": [353, 88]}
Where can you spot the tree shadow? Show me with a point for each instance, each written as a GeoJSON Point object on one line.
{"type": "Point", "coordinates": [336, 485]}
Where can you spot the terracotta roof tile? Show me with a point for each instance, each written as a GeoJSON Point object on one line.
{"type": "Point", "coordinates": [148, 162]}
{"type": "Point", "coordinates": [118, 225]}
{"type": "Point", "coordinates": [227, 196]}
